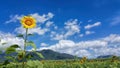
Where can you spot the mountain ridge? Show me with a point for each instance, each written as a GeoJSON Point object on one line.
{"type": "Point", "coordinates": [48, 55]}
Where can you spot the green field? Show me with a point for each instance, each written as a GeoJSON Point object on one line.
{"type": "Point", "coordinates": [79, 63]}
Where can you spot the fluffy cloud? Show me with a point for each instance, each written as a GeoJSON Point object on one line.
{"type": "Point", "coordinates": [40, 18]}
{"type": "Point", "coordinates": [43, 44]}
{"type": "Point", "coordinates": [81, 35]}
{"type": "Point", "coordinates": [113, 38]}
{"type": "Point", "coordinates": [49, 23]}
{"type": "Point", "coordinates": [71, 27]}
{"type": "Point", "coordinates": [89, 26]}
{"type": "Point", "coordinates": [115, 20]}
{"type": "Point", "coordinates": [10, 40]}
{"type": "Point", "coordinates": [14, 18]}
{"type": "Point", "coordinates": [89, 20]}
{"type": "Point", "coordinates": [89, 32]}
{"type": "Point", "coordinates": [37, 30]}
{"type": "Point", "coordinates": [58, 37]}
{"type": "Point", "coordinates": [109, 45]}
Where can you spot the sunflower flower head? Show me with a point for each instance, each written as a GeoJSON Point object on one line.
{"type": "Point", "coordinates": [28, 22]}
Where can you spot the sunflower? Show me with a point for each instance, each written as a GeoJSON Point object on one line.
{"type": "Point", "coordinates": [28, 22]}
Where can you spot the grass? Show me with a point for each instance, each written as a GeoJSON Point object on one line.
{"type": "Point", "coordinates": [66, 64]}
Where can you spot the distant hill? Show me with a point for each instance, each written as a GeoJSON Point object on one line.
{"type": "Point", "coordinates": [105, 56]}
{"type": "Point", "coordinates": [48, 55]}
{"type": "Point", "coordinates": [52, 55]}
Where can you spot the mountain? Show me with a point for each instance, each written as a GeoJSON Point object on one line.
{"type": "Point", "coordinates": [105, 56]}
{"type": "Point", "coordinates": [48, 55]}
{"type": "Point", "coordinates": [52, 55]}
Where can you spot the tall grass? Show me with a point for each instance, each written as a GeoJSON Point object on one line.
{"type": "Point", "coordinates": [67, 64]}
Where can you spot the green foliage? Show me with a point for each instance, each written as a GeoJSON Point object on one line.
{"type": "Point", "coordinates": [34, 64]}
{"type": "Point", "coordinates": [4, 43]}
{"type": "Point", "coordinates": [30, 34]}
{"type": "Point", "coordinates": [20, 54]}
{"type": "Point", "coordinates": [30, 43]}
{"type": "Point", "coordinates": [20, 35]}
{"type": "Point", "coordinates": [11, 58]}
{"type": "Point", "coordinates": [0, 51]}
{"type": "Point", "coordinates": [40, 55]}
{"type": "Point", "coordinates": [12, 49]}
{"type": "Point", "coordinates": [29, 56]}
{"type": "Point", "coordinates": [6, 62]}
{"type": "Point", "coordinates": [64, 64]}
{"type": "Point", "coordinates": [15, 46]}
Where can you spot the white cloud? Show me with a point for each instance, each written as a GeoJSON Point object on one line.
{"type": "Point", "coordinates": [43, 44]}
{"type": "Point", "coordinates": [89, 26]}
{"type": "Point", "coordinates": [71, 27]}
{"type": "Point", "coordinates": [115, 20]}
{"type": "Point", "coordinates": [52, 33]}
{"type": "Point", "coordinates": [55, 27]}
{"type": "Point", "coordinates": [49, 23]}
{"type": "Point", "coordinates": [40, 18]}
{"type": "Point", "coordinates": [14, 18]}
{"type": "Point", "coordinates": [109, 45]}
{"type": "Point", "coordinates": [89, 32]}
{"type": "Point", "coordinates": [37, 30]}
{"type": "Point", "coordinates": [81, 35]}
{"type": "Point", "coordinates": [10, 40]}
{"type": "Point", "coordinates": [113, 38]}
{"type": "Point", "coordinates": [58, 37]}
{"type": "Point", "coordinates": [89, 20]}
{"type": "Point", "coordinates": [83, 53]}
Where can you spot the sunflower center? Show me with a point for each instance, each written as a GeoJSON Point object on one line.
{"type": "Point", "coordinates": [28, 22]}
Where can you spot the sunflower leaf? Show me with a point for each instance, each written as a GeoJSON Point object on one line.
{"type": "Point", "coordinates": [29, 56]}
{"type": "Point", "coordinates": [0, 51]}
{"type": "Point", "coordinates": [30, 43]}
{"type": "Point", "coordinates": [6, 62]}
{"type": "Point", "coordinates": [10, 50]}
{"type": "Point", "coordinates": [20, 35]}
{"type": "Point", "coordinates": [15, 46]}
{"type": "Point", "coordinates": [10, 58]}
{"type": "Point", "coordinates": [30, 34]}
{"type": "Point", "coordinates": [40, 55]}
{"type": "Point", "coordinates": [4, 43]}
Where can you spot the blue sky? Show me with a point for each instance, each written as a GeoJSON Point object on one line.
{"type": "Point", "coordinates": [65, 24]}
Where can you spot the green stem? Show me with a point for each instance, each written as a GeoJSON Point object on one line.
{"type": "Point", "coordinates": [25, 40]}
